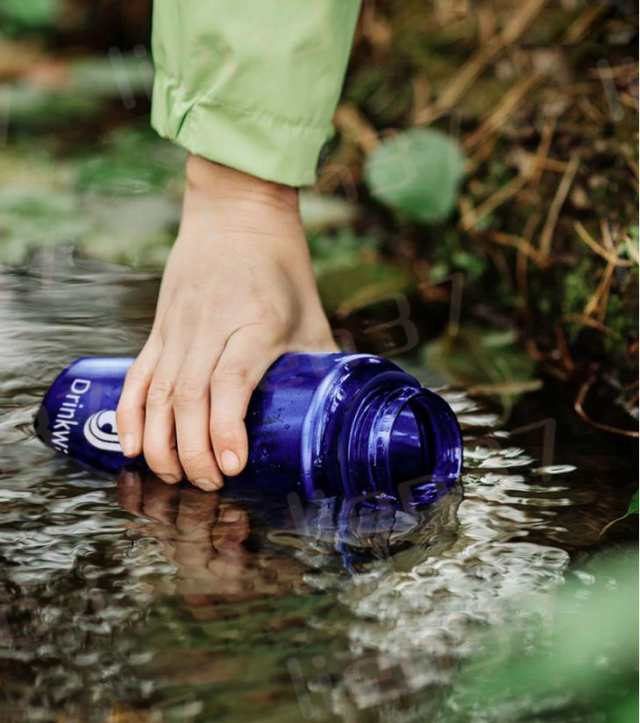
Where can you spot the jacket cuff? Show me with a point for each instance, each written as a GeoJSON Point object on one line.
{"type": "Point", "coordinates": [247, 139]}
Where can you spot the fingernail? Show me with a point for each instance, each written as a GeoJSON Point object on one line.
{"type": "Point", "coordinates": [129, 445]}
{"type": "Point", "coordinates": [230, 462]}
{"type": "Point", "coordinates": [169, 479]}
{"type": "Point", "coordinates": [206, 485]}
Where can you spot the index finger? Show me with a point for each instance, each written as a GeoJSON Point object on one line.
{"type": "Point", "coordinates": [131, 406]}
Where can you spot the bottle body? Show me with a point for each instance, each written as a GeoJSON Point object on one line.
{"type": "Point", "coordinates": [318, 424]}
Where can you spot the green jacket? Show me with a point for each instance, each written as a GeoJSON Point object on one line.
{"type": "Point", "coordinates": [251, 84]}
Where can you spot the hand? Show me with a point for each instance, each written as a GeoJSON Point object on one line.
{"type": "Point", "coordinates": [238, 291]}
{"type": "Point", "coordinates": [203, 536]}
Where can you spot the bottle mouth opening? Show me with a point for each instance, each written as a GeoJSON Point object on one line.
{"type": "Point", "coordinates": [415, 446]}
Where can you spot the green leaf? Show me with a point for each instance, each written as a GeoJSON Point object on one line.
{"type": "Point", "coordinates": [489, 361]}
{"type": "Point", "coordinates": [417, 173]}
{"type": "Point", "coordinates": [480, 356]}
{"type": "Point", "coordinates": [345, 289]}
{"type": "Point", "coordinates": [632, 509]}
{"type": "Point", "coordinates": [351, 273]}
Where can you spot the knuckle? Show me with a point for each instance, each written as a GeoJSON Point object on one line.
{"type": "Point", "coordinates": [193, 458]}
{"type": "Point", "coordinates": [236, 375]}
{"type": "Point", "coordinates": [198, 463]}
{"type": "Point", "coordinates": [127, 404]}
{"type": "Point", "coordinates": [136, 375]}
{"type": "Point", "coordinates": [160, 392]}
{"type": "Point", "coordinates": [227, 429]}
{"type": "Point", "coordinates": [188, 390]}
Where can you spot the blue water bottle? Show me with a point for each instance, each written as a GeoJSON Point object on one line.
{"type": "Point", "coordinates": [348, 425]}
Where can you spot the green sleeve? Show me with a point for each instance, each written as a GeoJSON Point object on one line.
{"type": "Point", "coordinates": [251, 84]}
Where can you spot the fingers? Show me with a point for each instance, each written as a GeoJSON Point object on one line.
{"type": "Point", "coordinates": [191, 406]}
{"type": "Point", "coordinates": [130, 412]}
{"type": "Point", "coordinates": [159, 442]}
{"type": "Point", "coordinates": [165, 410]}
{"type": "Point", "coordinates": [246, 357]}
{"type": "Point", "coordinates": [185, 409]}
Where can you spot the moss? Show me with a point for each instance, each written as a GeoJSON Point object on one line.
{"type": "Point", "coordinates": [578, 287]}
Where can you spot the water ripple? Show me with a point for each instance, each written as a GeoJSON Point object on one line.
{"type": "Point", "coordinates": [107, 611]}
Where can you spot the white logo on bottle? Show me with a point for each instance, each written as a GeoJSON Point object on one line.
{"type": "Point", "coordinates": [100, 431]}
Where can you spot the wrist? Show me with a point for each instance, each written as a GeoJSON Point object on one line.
{"type": "Point", "coordinates": [222, 183]}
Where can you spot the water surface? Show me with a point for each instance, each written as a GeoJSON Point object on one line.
{"type": "Point", "coordinates": [129, 600]}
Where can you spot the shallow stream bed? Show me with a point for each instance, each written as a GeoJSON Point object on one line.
{"type": "Point", "coordinates": [127, 600]}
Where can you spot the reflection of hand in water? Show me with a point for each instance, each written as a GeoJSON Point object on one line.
{"type": "Point", "coordinates": [203, 536]}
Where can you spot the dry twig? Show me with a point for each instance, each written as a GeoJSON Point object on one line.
{"type": "Point", "coordinates": [480, 61]}
{"type": "Point", "coordinates": [611, 258]}
{"type": "Point", "coordinates": [350, 121]}
{"type": "Point", "coordinates": [504, 193]}
{"type": "Point", "coordinates": [578, 28]}
{"type": "Point", "coordinates": [578, 406]}
{"type": "Point", "coordinates": [501, 113]}
{"type": "Point", "coordinates": [521, 244]}
{"type": "Point", "coordinates": [561, 194]}
{"type": "Point", "coordinates": [597, 304]}
{"type": "Point", "coordinates": [583, 320]}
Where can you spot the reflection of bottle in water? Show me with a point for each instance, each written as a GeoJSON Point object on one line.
{"type": "Point", "coordinates": [331, 424]}
{"type": "Point", "coordinates": [361, 531]}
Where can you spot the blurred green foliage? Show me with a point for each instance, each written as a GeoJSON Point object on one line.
{"type": "Point", "coordinates": [578, 663]}
{"type": "Point", "coordinates": [20, 16]}
{"type": "Point", "coordinates": [488, 362]}
{"type": "Point", "coordinates": [81, 94]}
{"type": "Point", "coordinates": [103, 202]}
{"type": "Point", "coordinates": [351, 271]}
{"type": "Point", "coordinates": [115, 167]}
{"type": "Point", "coordinates": [30, 107]}
{"type": "Point", "coordinates": [417, 173]}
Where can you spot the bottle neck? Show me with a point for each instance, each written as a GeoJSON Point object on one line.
{"type": "Point", "coordinates": [404, 442]}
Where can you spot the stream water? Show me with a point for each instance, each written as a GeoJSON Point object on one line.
{"type": "Point", "coordinates": [127, 600]}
